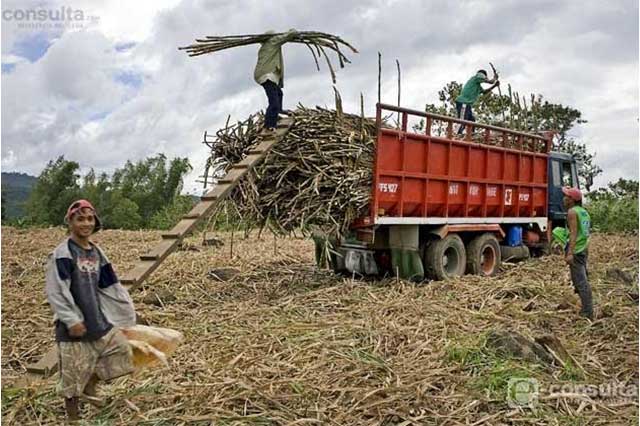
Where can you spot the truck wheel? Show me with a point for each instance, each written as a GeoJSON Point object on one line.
{"type": "Point", "coordinates": [445, 259]}
{"type": "Point", "coordinates": [483, 255]}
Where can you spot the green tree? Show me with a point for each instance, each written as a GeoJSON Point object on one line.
{"type": "Point", "coordinates": [97, 189]}
{"type": "Point", "coordinates": [56, 188]}
{"type": "Point", "coordinates": [123, 213]}
{"type": "Point", "coordinates": [151, 183]}
{"type": "Point", "coordinates": [170, 214]}
{"type": "Point", "coordinates": [623, 188]}
{"type": "Point", "coordinates": [533, 115]}
{"type": "Point", "coordinates": [615, 208]}
{"type": "Point", "coordinates": [130, 199]}
{"type": "Point", "coordinates": [3, 207]}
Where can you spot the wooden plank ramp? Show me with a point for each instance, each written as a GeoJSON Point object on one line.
{"type": "Point", "coordinates": [150, 261]}
{"type": "Point", "coordinates": [171, 239]}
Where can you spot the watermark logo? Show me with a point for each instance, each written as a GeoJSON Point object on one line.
{"type": "Point", "coordinates": [522, 392]}
{"type": "Point", "coordinates": [63, 17]}
{"type": "Point", "coordinates": [527, 392]}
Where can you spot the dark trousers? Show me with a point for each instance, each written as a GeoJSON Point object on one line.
{"type": "Point", "coordinates": [274, 95]}
{"type": "Point", "coordinates": [464, 113]}
{"type": "Point", "coordinates": [579, 278]}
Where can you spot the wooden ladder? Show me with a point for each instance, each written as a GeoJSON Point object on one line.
{"type": "Point", "coordinates": [171, 240]}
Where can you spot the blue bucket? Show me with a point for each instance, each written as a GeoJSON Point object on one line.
{"type": "Point", "coordinates": [514, 236]}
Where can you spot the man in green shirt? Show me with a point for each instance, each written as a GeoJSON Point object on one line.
{"type": "Point", "coordinates": [576, 250]}
{"type": "Point", "coordinates": [470, 94]}
{"type": "Point", "coordinates": [269, 73]}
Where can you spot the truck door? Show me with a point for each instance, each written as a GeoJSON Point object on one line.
{"type": "Point", "coordinates": [562, 172]}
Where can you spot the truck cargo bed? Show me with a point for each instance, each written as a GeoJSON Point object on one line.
{"type": "Point", "coordinates": [422, 177]}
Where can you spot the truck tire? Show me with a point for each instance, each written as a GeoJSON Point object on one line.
{"type": "Point", "coordinates": [445, 258]}
{"type": "Point", "coordinates": [483, 255]}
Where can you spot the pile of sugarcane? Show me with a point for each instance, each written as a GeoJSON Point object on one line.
{"type": "Point", "coordinates": [312, 39]}
{"type": "Point", "coordinates": [317, 178]}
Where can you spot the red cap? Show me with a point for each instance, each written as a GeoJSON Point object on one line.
{"type": "Point", "coordinates": [78, 205]}
{"type": "Point", "coordinates": [574, 193]}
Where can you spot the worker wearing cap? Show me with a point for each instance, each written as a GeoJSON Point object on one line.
{"type": "Point", "coordinates": [470, 93]}
{"type": "Point", "coordinates": [269, 73]}
{"type": "Point", "coordinates": [89, 305]}
{"type": "Point", "coordinates": [576, 250]}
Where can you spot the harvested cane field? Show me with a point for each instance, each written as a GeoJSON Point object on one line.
{"type": "Point", "coordinates": [277, 342]}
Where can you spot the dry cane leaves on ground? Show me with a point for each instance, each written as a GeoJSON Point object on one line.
{"type": "Point", "coordinates": [280, 342]}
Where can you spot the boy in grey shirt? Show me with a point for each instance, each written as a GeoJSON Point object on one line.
{"type": "Point", "coordinates": [89, 305]}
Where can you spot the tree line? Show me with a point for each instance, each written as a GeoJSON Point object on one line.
{"type": "Point", "coordinates": [615, 208]}
{"type": "Point", "coordinates": [144, 194]}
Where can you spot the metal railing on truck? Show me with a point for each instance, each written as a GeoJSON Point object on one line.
{"type": "Point", "coordinates": [507, 138]}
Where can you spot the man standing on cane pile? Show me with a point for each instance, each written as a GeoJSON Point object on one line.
{"type": "Point", "coordinates": [269, 73]}
{"type": "Point", "coordinates": [89, 305]}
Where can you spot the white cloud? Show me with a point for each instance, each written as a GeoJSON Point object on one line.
{"type": "Point", "coordinates": [68, 102]}
{"type": "Point", "coordinates": [9, 160]}
{"type": "Point", "coordinates": [12, 59]}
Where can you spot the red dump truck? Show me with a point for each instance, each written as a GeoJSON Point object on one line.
{"type": "Point", "coordinates": [443, 205]}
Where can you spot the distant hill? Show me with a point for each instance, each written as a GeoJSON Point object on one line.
{"type": "Point", "coordinates": [16, 188]}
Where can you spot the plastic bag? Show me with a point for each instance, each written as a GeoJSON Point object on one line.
{"type": "Point", "coordinates": [151, 345]}
{"type": "Point", "coordinates": [560, 235]}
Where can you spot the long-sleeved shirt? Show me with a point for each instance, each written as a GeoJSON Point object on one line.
{"type": "Point", "coordinates": [81, 286]}
{"type": "Point", "coordinates": [270, 65]}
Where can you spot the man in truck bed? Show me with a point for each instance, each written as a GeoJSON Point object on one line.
{"type": "Point", "coordinates": [470, 94]}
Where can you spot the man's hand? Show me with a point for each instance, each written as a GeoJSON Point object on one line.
{"type": "Point", "coordinates": [77, 330]}
{"type": "Point", "coordinates": [569, 259]}
{"type": "Point", "coordinates": [496, 84]}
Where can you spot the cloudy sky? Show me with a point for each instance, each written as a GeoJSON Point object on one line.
{"type": "Point", "coordinates": [110, 84]}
